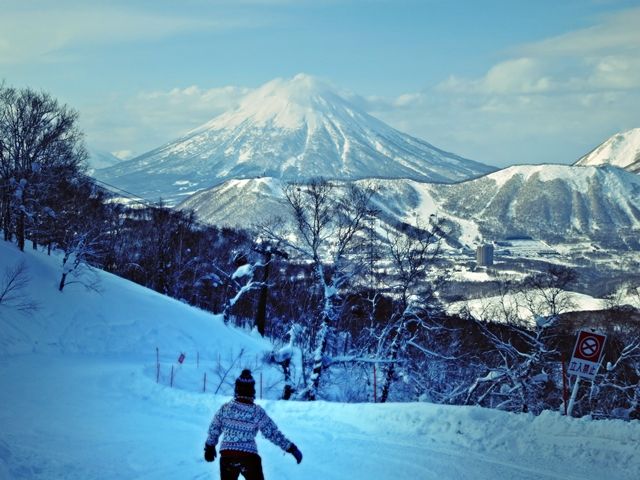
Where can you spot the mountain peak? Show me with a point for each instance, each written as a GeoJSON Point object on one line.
{"type": "Point", "coordinates": [301, 87]}
{"type": "Point", "coordinates": [286, 103]}
{"type": "Point", "coordinates": [621, 150]}
{"type": "Point", "coordinates": [289, 129]}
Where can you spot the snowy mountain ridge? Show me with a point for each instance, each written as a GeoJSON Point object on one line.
{"type": "Point", "coordinates": [293, 129]}
{"type": "Point", "coordinates": [577, 178]}
{"type": "Point", "coordinates": [99, 159]}
{"type": "Point", "coordinates": [621, 150]}
{"type": "Point", "coordinates": [552, 202]}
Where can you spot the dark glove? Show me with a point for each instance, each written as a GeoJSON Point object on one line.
{"type": "Point", "coordinates": [209, 452]}
{"type": "Point", "coordinates": [293, 450]}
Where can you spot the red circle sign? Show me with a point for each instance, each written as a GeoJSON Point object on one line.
{"type": "Point", "coordinates": [589, 348]}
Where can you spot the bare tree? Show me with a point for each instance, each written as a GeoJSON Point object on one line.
{"type": "Point", "coordinates": [516, 369]}
{"type": "Point", "coordinates": [39, 142]}
{"type": "Point", "coordinates": [13, 288]}
{"type": "Point", "coordinates": [326, 222]}
{"type": "Point", "coordinates": [618, 390]}
{"type": "Point", "coordinates": [626, 294]}
{"type": "Point", "coordinates": [240, 282]}
{"type": "Point", "coordinates": [546, 294]}
{"type": "Point", "coordinates": [412, 253]}
{"type": "Point", "coordinates": [634, 293]}
{"type": "Point", "coordinates": [81, 252]}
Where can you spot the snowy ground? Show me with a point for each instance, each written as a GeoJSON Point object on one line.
{"type": "Point", "coordinates": [80, 401]}
{"type": "Point", "coordinates": [491, 307]}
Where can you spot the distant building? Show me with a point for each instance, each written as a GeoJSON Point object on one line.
{"type": "Point", "coordinates": [523, 247]}
{"type": "Point", "coordinates": [484, 255]}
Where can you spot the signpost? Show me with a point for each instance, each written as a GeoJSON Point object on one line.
{"type": "Point", "coordinates": [587, 354]}
{"type": "Point", "coordinates": [585, 361]}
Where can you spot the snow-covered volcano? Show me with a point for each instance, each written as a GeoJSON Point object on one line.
{"type": "Point", "coordinates": [621, 150]}
{"type": "Point", "coordinates": [292, 129]}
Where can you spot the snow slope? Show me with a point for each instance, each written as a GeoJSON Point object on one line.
{"type": "Point", "coordinates": [80, 401]}
{"type": "Point", "coordinates": [292, 129]}
{"type": "Point", "coordinates": [621, 150]}
{"type": "Point", "coordinates": [120, 318]}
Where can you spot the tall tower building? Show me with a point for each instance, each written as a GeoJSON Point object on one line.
{"type": "Point", "coordinates": [484, 255]}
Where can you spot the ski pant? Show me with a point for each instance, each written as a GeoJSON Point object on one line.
{"type": "Point", "coordinates": [249, 466]}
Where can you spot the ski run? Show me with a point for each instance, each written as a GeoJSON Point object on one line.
{"type": "Point", "coordinates": [82, 399]}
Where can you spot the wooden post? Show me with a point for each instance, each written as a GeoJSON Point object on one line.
{"type": "Point", "coordinates": [171, 384]}
{"type": "Point", "coordinates": [375, 386]}
{"type": "Point", "coordinates": [565, 390]}
{"type": "Point", "coordinates": [157, 365]}
{"type": "Point", "coordinates": [204, 385]}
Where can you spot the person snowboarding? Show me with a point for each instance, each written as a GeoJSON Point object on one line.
{"type": "Point", "coordinates": [238, 421]}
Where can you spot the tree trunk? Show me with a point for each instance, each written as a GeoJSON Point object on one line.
{"type": "Point", "coordinates": [261, 311]}
{"type": "Point", "coordinates": [63, 279]}
{"type": "Point", "coordinates": [6, 218]}
{"type": "Point", "coordinates": [288, 388]}
{"type": "Point", "coordinates": [311, 390]}
{"type": "Point", "coordinates": [20, 231]}
{"type": "Point", "coordinates": [394, 351]}
{"type": "Point", "coordinates": [390, 372]}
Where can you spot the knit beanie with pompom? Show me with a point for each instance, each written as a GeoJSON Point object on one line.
{"type": "Point", "coordinates": [245, 386]}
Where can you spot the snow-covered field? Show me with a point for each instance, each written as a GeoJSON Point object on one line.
{"type": "Point", "coordinates": [493, 307]}
{"type": "Point", "coordinates": [80, 401]}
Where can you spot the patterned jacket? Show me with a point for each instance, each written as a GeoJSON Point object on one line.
{"type": "Point", "coordinates": [238, 423]}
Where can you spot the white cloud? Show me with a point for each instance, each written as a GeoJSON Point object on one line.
{"type": "Point", "coordinates": [153, 118]}
{"type": "Point", "coordinates": [504, 129]}
{"type": "Point", "coordinates": [615, 32]}
{"type": "Point", "coordinates": [551, 101]}
{"type": "Point", "coordinates": [182, 109]}
{"type": "Point", "coordinates": [521, 75]}
{"type": "Point", "coordinates": [601, 57]}
{"type": "Point", "coordinates": [44, 31]}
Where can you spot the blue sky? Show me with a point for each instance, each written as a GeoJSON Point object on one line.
{"type": "Point", "coordinates": [501, 82]}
